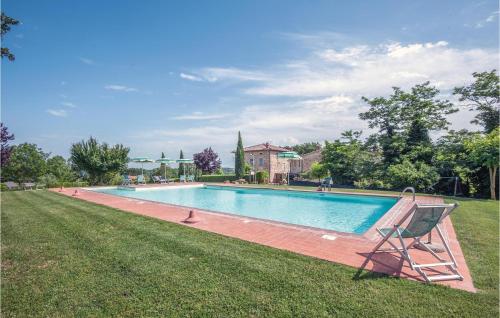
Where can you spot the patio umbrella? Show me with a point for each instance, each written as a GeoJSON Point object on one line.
{"type": "Point", "coordinates": [290, 155]}
{"type": "Point", "coordinates": [167, 162]}
{"type": "Point", "coordinates": [142, 160]}
{"type": "Point", "coordinates": [184, 161]}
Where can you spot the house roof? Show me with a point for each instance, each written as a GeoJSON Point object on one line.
{"type": "Point", "coordinates": [265, 146]}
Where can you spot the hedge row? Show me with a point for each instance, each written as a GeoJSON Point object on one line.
{"type": "Point", "coordinates": [219, 178]}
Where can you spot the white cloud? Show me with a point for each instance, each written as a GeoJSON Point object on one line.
{"type": "Point", "coordinates": [491, 18]}
{"type": "Point", "coordinates": [190, 77]}
{"type": "Point", "coordinates": [373, 70]}
{"type": "Point", "coordinates": [199, 116]}
{"type": "Point", "coordinates": [87, 61]}
{"type": "Point", "coordinates": [57, 112]}
{"type": "Point", "coordinates": [68, 104]}
{"type": "Point", "coordinates": [213, 74]}
{"type": "Point", "coordinates": [218, 74]}
{"type": "Point", "coordinates": [120, 88]}
{"type": "Point", "coordinates": [316, 97]}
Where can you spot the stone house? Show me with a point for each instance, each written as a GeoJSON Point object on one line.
{"type": "Point", "coordinates": [264, 157]}
{"type": "Point", "coordinates": [309, 158]}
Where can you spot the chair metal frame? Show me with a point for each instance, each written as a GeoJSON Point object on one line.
{"type": "Point", "coordinates": [398, 229]}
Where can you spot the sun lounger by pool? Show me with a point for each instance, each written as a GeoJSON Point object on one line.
{"type": "Point", "coordinates": [158, 179]}
{"type": "Point", "coordinates": [11, 185]}
{"type": "Point", "coordinates": [182, 178]}
{"type": "Point", "coordinates": [164, 180]}
{"type": "Point", "coordinates": [326, 183]}
{"type": "Point", "coordinates": [424, 218]}
{"type": "Point", "coordinates": [29, 185]}
{"type": "Point", "coordinates": [126, 180]}
{"type": "Point", "coordinates": [141, 179]}
{"type": "Point", "coordinates": [190, 178]}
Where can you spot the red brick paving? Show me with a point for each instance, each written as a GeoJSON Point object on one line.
{"type": "Point", "coordinates": [348, 249]}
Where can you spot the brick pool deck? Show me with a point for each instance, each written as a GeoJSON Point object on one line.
{"type": "Point", "coordinates": [342, 248]}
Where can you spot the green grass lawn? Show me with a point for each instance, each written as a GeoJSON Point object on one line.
{"type": "Point", "coordinates": [65, 257]}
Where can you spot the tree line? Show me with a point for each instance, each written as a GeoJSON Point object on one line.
{"type": "Point", "coordinates": [401, 153]}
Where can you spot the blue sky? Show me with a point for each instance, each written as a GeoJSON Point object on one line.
{"type": "Point", "coordinates": [164, 75]}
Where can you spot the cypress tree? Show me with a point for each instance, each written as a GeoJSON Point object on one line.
{"type": "Point", "coordinates": [162, 166]}
{"type": "Point", "coordinates": [181, 165]}
{"type": "Point", "coordinates": [239, 159]}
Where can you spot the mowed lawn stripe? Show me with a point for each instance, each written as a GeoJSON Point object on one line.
{"type": "Point", "coordinates": [68, 257]}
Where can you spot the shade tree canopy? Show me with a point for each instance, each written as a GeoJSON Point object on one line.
{"type": "Point", "coordinates": [7, 22]}
{"type": "Point", "coordinates": [207, 161]}
{"type": "Point", "coordinates": [98, 161]}
{"type": "Point", "coordinates": [483, 96]}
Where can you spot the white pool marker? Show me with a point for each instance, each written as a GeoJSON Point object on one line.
{"type": "Point", "coordinates": [329, 237]}
{"type": "Point", "coordinates": [140, 202]}
{"type": "Point", "coordinates": [246, 221]}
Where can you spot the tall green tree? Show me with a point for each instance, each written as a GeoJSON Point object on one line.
{"type": "Point", "coordinates": [483, 96]}
{"type": "Point", "coordinates": [162, 165]}
{"type": "Point", "coordinates": [99, 161]}
{"type": "Point", "coordinates": [347, 158]}
{"type": "Point", "coordinates": [318, 171]}
{"type": "Point", "coordinates": [5, 147]}
{"type": "Point", "coordinates": [60, 169]}
{"type": "Point", "coordinates": [385, 114]}
{"type": "Point", "coordinates": [452, 159]}
{"type": "Point", "coordinates": [239, 159]}
{"type": "Point", "coordinates": [27, 163]}
{"type": "Point", "coordinates": [484, 150]}
{"type": "Point", "coordinates": [7, 22]}
{"type": "Point", "coordinates": [306, 147]}
{"type": "Point", "coordinates": [180, 169]}
{"type": "Point", "coordinates": [405, 118]}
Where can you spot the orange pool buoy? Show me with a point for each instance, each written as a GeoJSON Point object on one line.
{"type": "Point", "coordinates": [76, 193]}
{"type": "Point", "coordinates": [192, 218]}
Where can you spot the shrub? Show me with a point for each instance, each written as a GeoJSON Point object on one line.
{"type": "Point", "coordinates": [113, 178]}
{"type": "Point", "coordinates": [418, 175]}
{"type": "Point", "coordinates": [48, 179]}
{"type": "Point", "coordinates": [372, 184]}
{"type": "Point", "coordinates": [318, 171]}
{"type": "Point", "coordinates": [220, 178]}
{"type": "Point", "coordinates": [262, 177]}
{"type": "Point", "coordinates": [217, 178]}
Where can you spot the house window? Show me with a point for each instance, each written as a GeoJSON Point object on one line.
{"type": "Point", "coordinates": [251, 161]}
{"type": "Point", "coordinates": [261, 162]}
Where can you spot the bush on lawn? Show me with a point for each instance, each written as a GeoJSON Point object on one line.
{"type": "Point", "coordinates": [262, 177]}
{"type": "Point", "coordinates": [217, 178]}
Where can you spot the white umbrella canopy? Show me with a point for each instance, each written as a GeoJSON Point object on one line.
{"type": "Point", "coordinates": [142, 160]}
{"type": "Point", "coordinates": [184, 161]}
{"type": "Point", "coordinates": [290, 155]}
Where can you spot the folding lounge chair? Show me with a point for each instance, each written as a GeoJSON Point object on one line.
{"type": "Point", "coordinates": [126, 181]}
{"type": "Point", "coordinates": [159, 179]}
{"type": "Point", "coordinates": [424, 218]}
{"type": "Point", "coordinates": [190, 178]}
{"type": "Point", "coordinates": [164, 180]}
{"type": "Point", "coordinates": [156, 179]}
{"type": "Point", "coordinates": [29, 185]}
{"type": "Point", "coordinates": [182, 178]}
{"type": "Point", "coordinates": [140, 179]}
{"type": "Point", "coordinates": [11, 185]}
{"type": "Point", "coordinates": [326, 183]}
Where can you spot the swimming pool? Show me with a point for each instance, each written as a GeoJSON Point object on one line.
{"type": "Point", "coordinates": [338, 212]}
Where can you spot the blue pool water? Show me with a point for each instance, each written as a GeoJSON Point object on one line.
{"type": "Point", "coordinates": [339, 212]}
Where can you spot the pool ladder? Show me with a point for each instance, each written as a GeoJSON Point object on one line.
{"type": "Point", "coordinates": [412, 189]}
